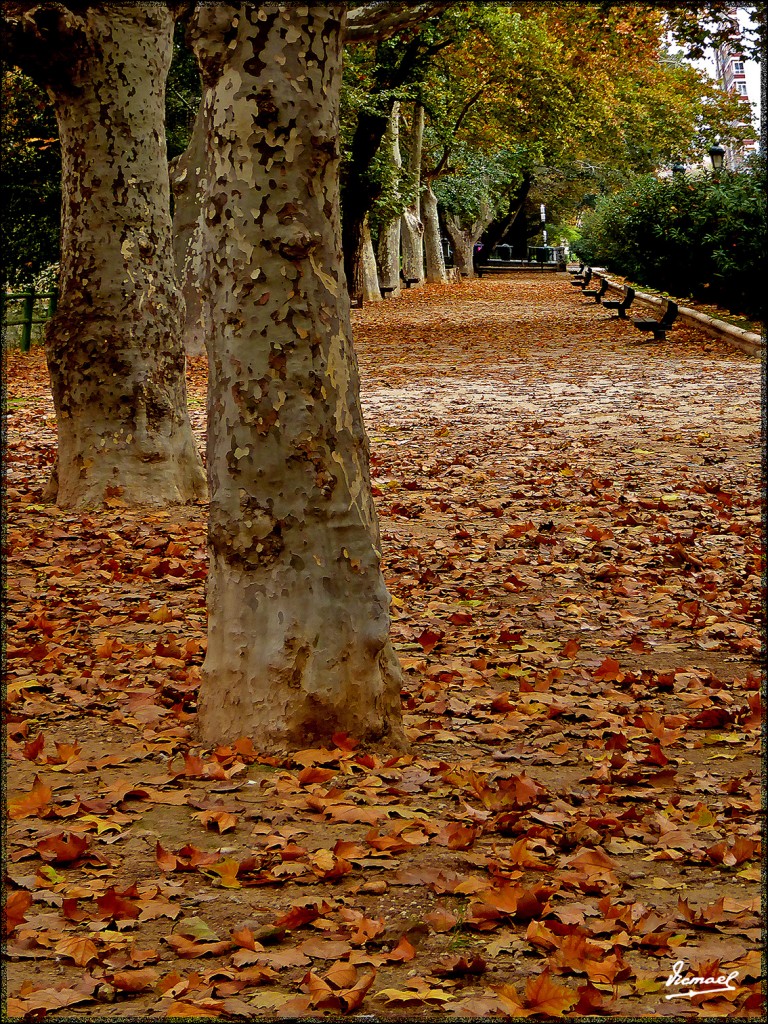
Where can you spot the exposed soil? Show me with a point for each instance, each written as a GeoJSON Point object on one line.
{"type": "Point", "coordinates": [572, 527]}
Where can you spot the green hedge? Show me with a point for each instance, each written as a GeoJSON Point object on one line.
{"type": "Point", "coordinates": [701, 236]}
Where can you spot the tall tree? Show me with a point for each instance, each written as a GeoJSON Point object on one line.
{"type": "Point", "coordinates": [114, 352]}
{"type": "Point", "coordinates": [390, 227]}
{"type": "Point", "coordinates": [412, 223]}
{"type": "Point", "coordinates": [390, 72]}
{"type": "Point", "coordinates": [298, 644]}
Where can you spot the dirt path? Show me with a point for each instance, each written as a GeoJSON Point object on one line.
{"type": "Point", "coordinates": [572, 532]}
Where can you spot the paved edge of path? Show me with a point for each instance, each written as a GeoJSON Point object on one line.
{"type": "Point", "coordinates": [747, 341]}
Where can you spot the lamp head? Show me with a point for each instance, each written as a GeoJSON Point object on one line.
{"type": "Point", "coordinates": [717, 156]}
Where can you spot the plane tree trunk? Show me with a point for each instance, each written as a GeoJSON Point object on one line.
{"type": "Point", "coordinates": [371, 290]}
{"type": "Point", "coordinates": [434, 251]}
{"type": "Point", "coordinates": [412, 222]}
{"type": "Point", "coordinates": [298, 646]}
{"type": "Point", "coordinates": [186, 184]}
{"type": "Point", "coordinates": [114, 349]}
{"type": "Point", "coordinates": [388, 250]}
{"type": "Point", "coordinates": [463, 236]}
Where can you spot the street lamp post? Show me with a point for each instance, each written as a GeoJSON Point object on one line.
{"type": "Point", "coordinates": [717, 156]}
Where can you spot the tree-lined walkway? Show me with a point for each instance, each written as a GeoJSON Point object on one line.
{"type": "Point", "coordinates": [571, 526]}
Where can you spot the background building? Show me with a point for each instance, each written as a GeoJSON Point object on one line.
{"type": "Point", "coordinates": [736, 74]}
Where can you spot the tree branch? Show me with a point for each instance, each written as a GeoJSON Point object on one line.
{"type": "Point", "coordinates": [378, 20]}
{"type": "Point", "coordinates": [440, 168]}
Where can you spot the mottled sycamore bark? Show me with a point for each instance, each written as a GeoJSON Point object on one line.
{"type": "Point", "coordinates": [412, 228]}
{"type": "Point", "coordinates": [371, 290]}
{"type": "Point", "coordinates": [463, 237]}
{"type": "Point", "coordinates": [186, 173]}
{"type": "Point", "coordinates": [433, 249]}
{"type": "Point", "coordinates": [114, 349]}
{"type": "Point", "coordinates": [298, 644]}
{"type": "Point", "coordinates": [388, 252]}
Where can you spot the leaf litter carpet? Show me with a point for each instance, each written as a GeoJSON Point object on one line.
{"type": "Point", "coordinates": [572, 530]}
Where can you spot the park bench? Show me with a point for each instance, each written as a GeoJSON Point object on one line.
{"type": "Point", "coordinates": [597, 293]}
{"type": "Point", "coordinates": [621, 305]}
{"type": "Point", "coordinates": [356, 302]}
{"type": "Point", "coordinates": [659, 327]}
{"type": "Point", "coordinates": [579, 272]}
{"type": "Point", "coordinates": [386, 289]}
{"type": "Point", "coordinates": [583, 280]}
{"type": "Point", "coordinates": [408, 281]}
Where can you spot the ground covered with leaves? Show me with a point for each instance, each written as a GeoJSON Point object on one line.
{"type": "Point", "coordinates": [572, 529]}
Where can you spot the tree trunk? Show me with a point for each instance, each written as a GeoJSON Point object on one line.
{"type": "Point", "coordinates": [114, 349]}
{"type": "Point", "coordinates": [298, 646]}
{"type": "Point", "coordinates": [463, 238]}
{"type": "Point", "coordinates": [412, 223]}
{"type": "Point", "coordinates": [435, 259]}
{"type": "Point", "coordinates": [359, 193]}
{"type": "Point", "coordinates": [186, 172]}
{"type": "Point", "coordinates": [389, 235]}
{"type": "Point", "coordinates": [371, 290]}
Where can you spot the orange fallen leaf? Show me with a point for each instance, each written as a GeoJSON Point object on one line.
{"type": "Point", "coordinates": [134, 981]}
{"type": "Point", "coordinates": [37, 802]}
{"type": "Point", "coordinates": [189, 949]}
{"type": "Point", "coordinates": [542, 995]}
{"type": "Point", "coordinates": [184, 1008]}
{"type": "Point", "coordinates": [77, 948]}
{"type": "Point", "coordinates": [16, 906]}
{"type": "Point", "coordinates": [222, 820]}
{"type": "Point", "coordinates": [62, 848]}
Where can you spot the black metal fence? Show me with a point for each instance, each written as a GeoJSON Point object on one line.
{"type": "Point", "coordinates": [22, 309]}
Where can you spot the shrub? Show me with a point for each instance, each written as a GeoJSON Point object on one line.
{"type": "Point", "coordinates": [699, 236]}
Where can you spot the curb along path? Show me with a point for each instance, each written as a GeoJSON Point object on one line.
{"type": "Point", "coordinates": [747, 341]}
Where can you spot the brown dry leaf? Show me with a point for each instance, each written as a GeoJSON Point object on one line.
{"type": "Point", "coordinates": [325, 949]}
{"type": "Point", "coordinates": [457, 965]}
{"type": "Point", "coordinates": [575, 952]}
{"type": "Point", "coordinates": [62, 848]}
{"type": "Point", "coordinates": [504, 900]}
{"type": "Point", "coordinates": [455, 836]}
{"type": "Point", "coordinates": [47, 999]}
{"type": "Point", "coordinates": [189, 1009]}
{"type": "Point", "coordinates": [521, 856]}
{"type": "Point", "coordinates": [134, 981]}
{"type": "Point", "coordinates": [441, 920]}
{"type": "Point", "coordinates": [223, 821]}
{"type": "Point", "coordinates": [420, 993]}
{"type": "Point", "coordinates": [189, 949]}
{"type": "Point", "coordinates": [16, 906]}
{"type": "Point", "coordinates": [592, 1002]}
{"type": "Point", "coordinates": [312, 775]}
{"type": "Point", "coordinates": [112, 905]}
{"type": "Point", "coordinates": [608, 970]}
{"type": "Point", "coordinates": [341, 975]}
{"type": "Point", "coordinates": [77, 948]}
{"type": "Point", "coordinates": [540, 936]}
{"type": "Point", "coordinates": [35, 803]}
{"type": "Point", "coordinates": [544, 995]}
